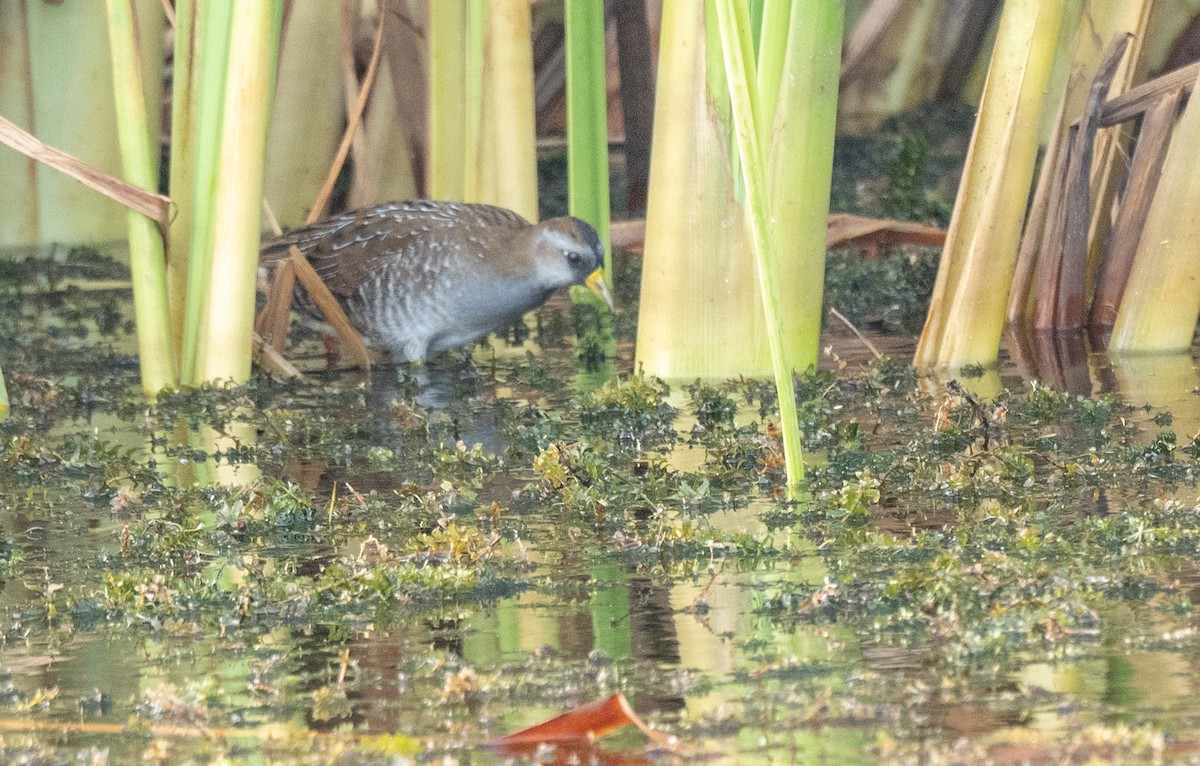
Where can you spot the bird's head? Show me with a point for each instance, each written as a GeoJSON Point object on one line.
{"type": "Point", "coordinates": [568, 251]}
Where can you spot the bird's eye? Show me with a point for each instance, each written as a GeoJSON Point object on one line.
{"type": "Point", "coordinates": [573, 257]}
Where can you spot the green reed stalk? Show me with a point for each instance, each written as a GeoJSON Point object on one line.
{"type": "Point", "coordinates": [798, 125]}
{"type": "Point", "coordinates": [473, 100]}
{"type": "Point", "coordinates": [757, 13]}
{"type": "Point", "coordinates": [210, 61]}
{"type": "Point", "coordinates": [147, 269]}
{"type": "Point", "coordinates": [182, 182]}
{"type": "Point", "coordinates": [587, 151]}
{"type": "Point", "coordinates": [771, 48]}
{"type": "Point", "coordinates": [587, 118]}
{"type": "Point", "coordinates": [738, 49]}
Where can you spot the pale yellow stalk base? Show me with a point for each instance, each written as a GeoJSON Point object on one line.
{"type": "Point", "coordinates": [447, 36]}
{"type": "Point", "coordinates": [228, 319]}
{"type": "Point", "coordinates": [967, 311]}
{"type": "Point", "coordinates": [1162, 299]}
{"type": "Point", "coordinates": [700, 314]}
{"type": "Point", "coordinates": [510, 123]}
{"type": "Point", "coordinates": [139, 157]}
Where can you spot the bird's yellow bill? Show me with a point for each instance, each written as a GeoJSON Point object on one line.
{"type": "Point", "coordinates": [595, 283]}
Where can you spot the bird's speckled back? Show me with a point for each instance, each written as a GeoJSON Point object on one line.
{"type": "Point", "coordinates": [414, 236]}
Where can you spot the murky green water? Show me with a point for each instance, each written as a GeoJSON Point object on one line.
{"type": "Point", "coordinates": [1001, 571]}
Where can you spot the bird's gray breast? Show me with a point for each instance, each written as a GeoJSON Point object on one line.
{"type": "Point", "coordinates": [407, 302]}
{"type": "Point", "coordinates": [438, 295]}
{"type": "Point", "coordinates": [482, 305]}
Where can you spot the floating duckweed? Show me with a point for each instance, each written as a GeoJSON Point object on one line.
{"type": "Point", "coordinates": [632, 410]}
{"type": "Point", "coordinates": [712, 406]}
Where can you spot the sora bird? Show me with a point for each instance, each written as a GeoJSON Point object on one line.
{"type": "Point", "coordinates": [422, 276]}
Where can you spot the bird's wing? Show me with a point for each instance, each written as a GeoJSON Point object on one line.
{"type": "Point", "coordinates": [350, 249]}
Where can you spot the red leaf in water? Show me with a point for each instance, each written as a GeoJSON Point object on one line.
{"type": "Point", "coordinates": [578, 729]}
